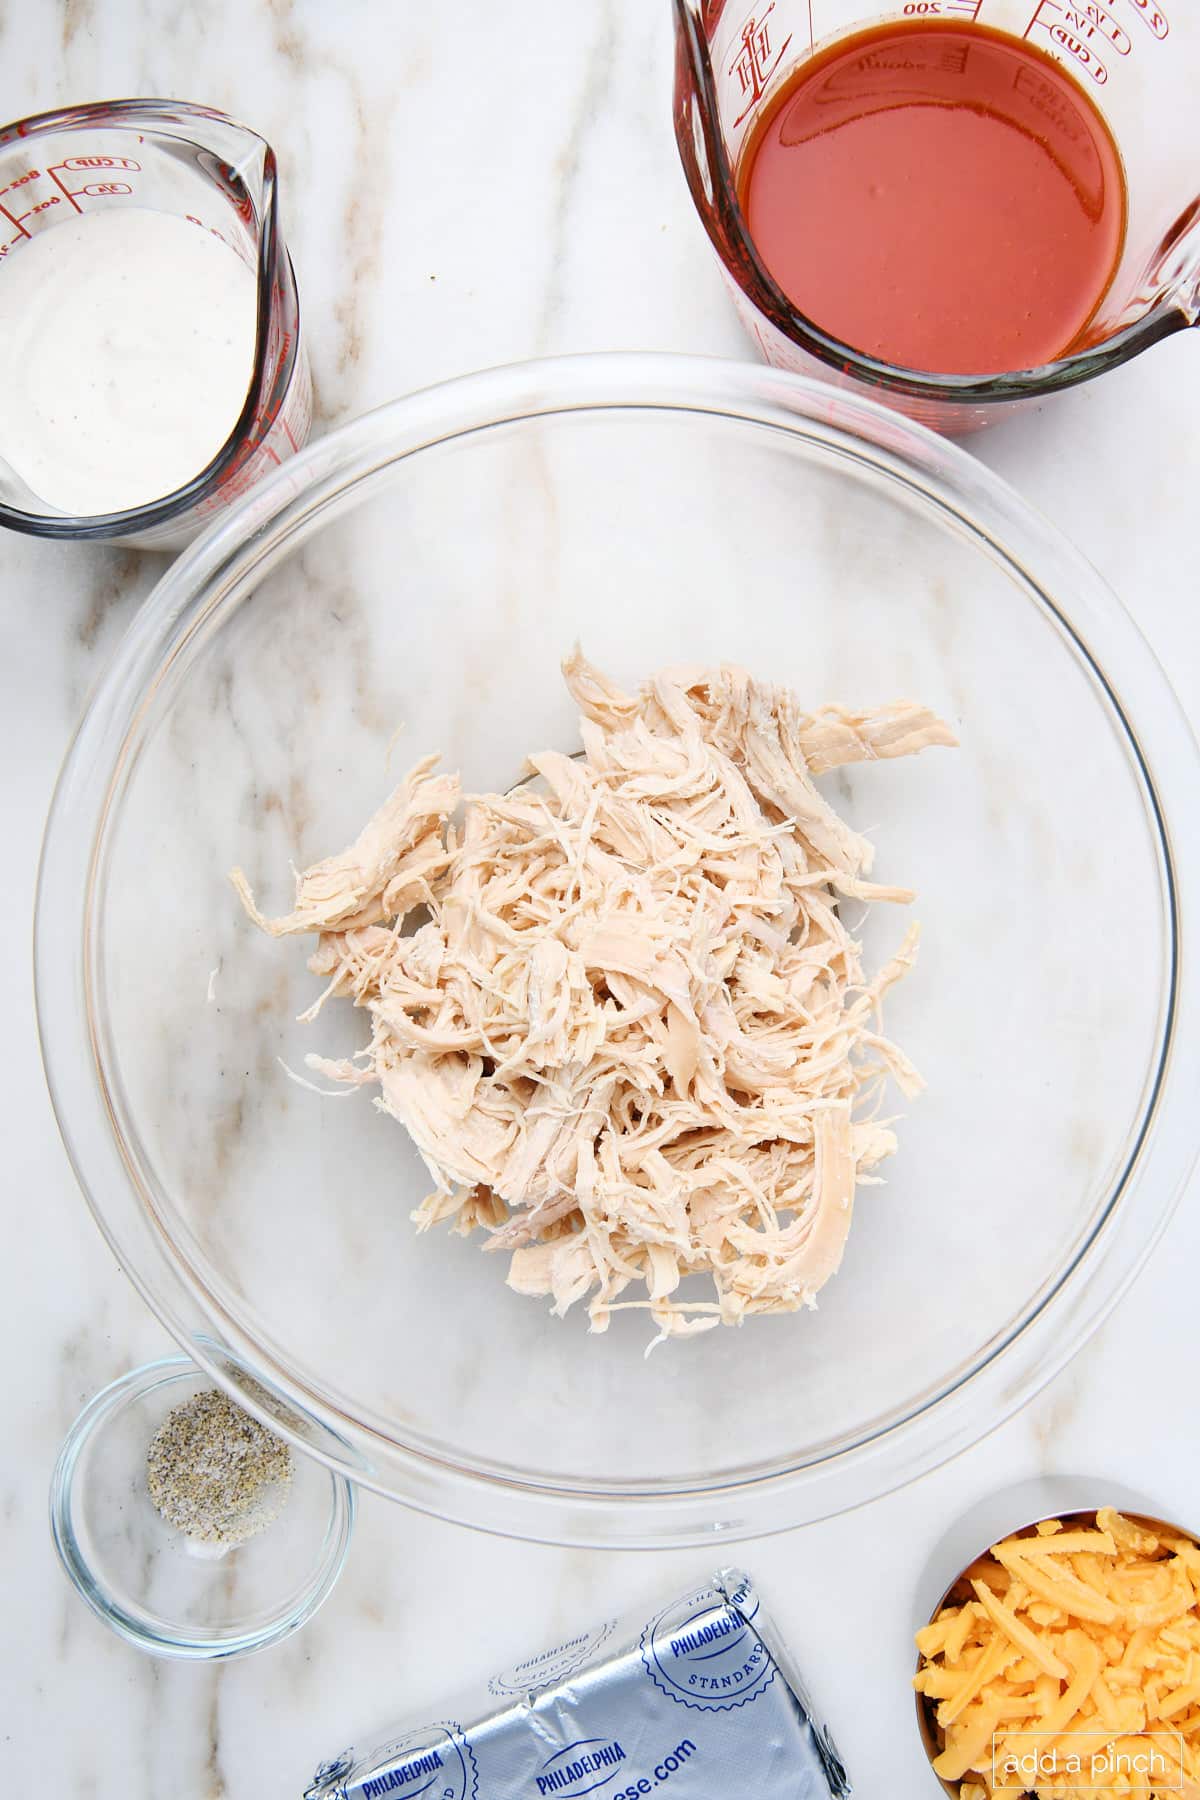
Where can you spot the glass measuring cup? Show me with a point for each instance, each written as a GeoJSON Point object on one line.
{"type": "Point", "coordinates": [202, 166]}
{"type": "Point", "coordinates": [1136, 59]}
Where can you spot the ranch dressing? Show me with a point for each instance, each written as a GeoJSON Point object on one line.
{"type": "Point", "coordinates": [127, 344]}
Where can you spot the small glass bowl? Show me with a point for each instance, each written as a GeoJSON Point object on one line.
{"type": "Point", "coordinates": [156, 1589]}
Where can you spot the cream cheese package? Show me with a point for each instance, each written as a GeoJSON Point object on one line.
{"type": "Point", "coordinates": [702, 1701]}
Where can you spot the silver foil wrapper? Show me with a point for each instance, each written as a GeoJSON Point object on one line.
{"type": "Point", "coordinates": [700, 1702]}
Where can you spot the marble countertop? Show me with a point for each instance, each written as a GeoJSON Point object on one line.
{"type": "Point", "coordinates": [464, 187]}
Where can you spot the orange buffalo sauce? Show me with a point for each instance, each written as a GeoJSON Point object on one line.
{"type": "Point", "coordinates": [943, 197]}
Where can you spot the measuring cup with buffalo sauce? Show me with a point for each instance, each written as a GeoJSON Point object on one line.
{"type": "Point", "coordinates": [151, 364]}
{"type": "Point", "coordinates": [954, 205]}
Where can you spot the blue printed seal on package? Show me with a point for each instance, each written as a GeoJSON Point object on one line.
{"type": "Point", "coordinates": [703, 1701]}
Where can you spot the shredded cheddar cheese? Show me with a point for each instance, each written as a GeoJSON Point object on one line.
{"type": "Point", "coordinates": [1070, 1651]}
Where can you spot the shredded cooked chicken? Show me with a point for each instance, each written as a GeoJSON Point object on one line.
{"type": "Point", "coordinates": [617, 1008]}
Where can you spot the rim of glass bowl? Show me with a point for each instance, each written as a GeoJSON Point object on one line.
{"type": "Point", "coordinates": [126, 1390]}
{"type": "Point", "coordinates": [245, 543]}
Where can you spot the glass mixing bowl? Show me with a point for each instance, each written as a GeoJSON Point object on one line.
{"type": "Point", "coordinates": [427, 567]}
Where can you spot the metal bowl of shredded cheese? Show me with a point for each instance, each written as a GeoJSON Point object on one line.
{"type": "Point", "coordinates": [409, 587]}
{"type": "Point", "coordinates": [1064, 1660]}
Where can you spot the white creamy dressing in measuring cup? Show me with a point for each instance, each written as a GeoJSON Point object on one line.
{"type": "Point", "coordinates": [127, 345]}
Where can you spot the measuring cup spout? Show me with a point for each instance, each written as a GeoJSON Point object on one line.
{"type": "Point", "coordinates": [240, 158]}
{"type": "Point", "coordinates": [1176, 273]}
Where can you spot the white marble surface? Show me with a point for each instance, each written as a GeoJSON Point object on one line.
{"type": "Point", "coordinates": [464, 187]}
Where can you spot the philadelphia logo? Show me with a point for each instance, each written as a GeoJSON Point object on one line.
{"type": "Point", "coordinates": [537, 1673]}
{"type": "Point", "coordinates": [436, 1761]}
{"type": "Point", "coordinates": [705, 1652]}
{"type": "Point", "coordinates": [402, 1775]}
{"type": "Point", "coordinates": [581, 1768]}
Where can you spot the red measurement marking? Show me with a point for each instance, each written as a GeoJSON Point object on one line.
{"type": "Point", "coordinates": [32, 211]}
{"type": "Point", "coordinates": [21, 231]}
{"type": "Point", "coordinates": [59, 183]}
{"type": "Point", "coordinates": [1084, 55]}
{"type": "Point", "coordinates": [75, 163]}
{"type": "Point", "coordinates": [211, 229]}
{"type": "Point", "coordinates": [20, 181]}
{"type": "Point", "coordinates": [92, 190]}
{"type": "Point", "coordinates": [756, 60]}
{"type": "Point", "coordinates": [1078, 39]}
{"type": "Point", "coordinates": [1036, 15]}
{"type": "Point", "coordinates": [18, 220]}
{"type": "Point", "coordinates": [939, 9]}
{"type": "Point", "coordinates": [1091, 18]}
{"type": "Point", "coordinates": [1151, 16]}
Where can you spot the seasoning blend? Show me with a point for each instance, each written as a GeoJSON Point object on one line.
{"type": "Point", "coordinates": [216, 1474]}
